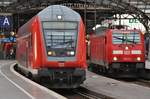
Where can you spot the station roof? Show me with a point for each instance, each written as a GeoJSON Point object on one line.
{"type": "Point", "coordinates": [143, 5]}
{"type": "Point", "coordinates": [21, 5]}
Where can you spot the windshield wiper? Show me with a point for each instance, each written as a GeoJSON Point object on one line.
{"type": "Point", "coordinates": [67, 43]}
{"type": "Point", "coordinates": [123, 40]}
{"type": "Point", "coordinates": [131, 41]}
{"type": "Point", "coordinates": [119, 38]}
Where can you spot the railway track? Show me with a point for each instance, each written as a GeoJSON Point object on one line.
{"type": "Point", "coordinates": [142, 82]}
{"type": "Point", "coordinates": [81, 93]}
{"type": "Point", "coordinates": [90, 94]}
{"type": "Point", "coordinates": [143, 79]}
{"type": "Point", "coordinates": [86, 95]}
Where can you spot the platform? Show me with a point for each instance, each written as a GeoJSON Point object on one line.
{"type": "Point", "coordinates": [13, 86]}
{"type": "Point", "coordinates": [115, 89]}
{"type": "Point", "coordinates": [147, 64]}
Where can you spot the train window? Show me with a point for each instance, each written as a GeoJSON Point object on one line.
{"type": "Point", "coordinates": [57, 38]}
{"type": "Point", "coordinates": [125, 38]}
{"type": "Point", "coordinates": [30, 40]}
{"type": "Point", "coordinates": [60, 38]}
{"type": "Point", "coordinates": [100, 30]}
{"type": "Point", "coordinates": [60, 25]}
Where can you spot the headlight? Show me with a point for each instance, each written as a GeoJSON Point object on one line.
{"type": "Point", "coordinates": [138, 58]}
{"type": "Point", "coordinates": [115, 58]}
{"type": "Point", "coordinates": [117, 52]}
{"type": "Point", "coordinates": [136, 52]}
{"type": "Point", "coordinates": [72, 53]}
{"type": "Point", "coordinates": [50, 53]}
{"type": "Point", "coordinates": [126, 47]}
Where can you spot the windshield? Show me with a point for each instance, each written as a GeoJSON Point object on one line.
{"type": "Point", "coordinates": [60, 38]}
{"type": "Point", "coordinates": [125, 38]}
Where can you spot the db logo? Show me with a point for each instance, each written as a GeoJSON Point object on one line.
{"type": "Point", "coordinates": [127, 52]}
{"type": "Point", "coordinates": [61, 64]}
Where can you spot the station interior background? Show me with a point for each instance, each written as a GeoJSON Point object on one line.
{"type": "Point", "coordinates": [95, 13]}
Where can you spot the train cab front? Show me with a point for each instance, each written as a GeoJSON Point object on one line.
{"type": "Point", "coordinates": [127, 52]}
{"type": "Point", "coordinates": [63, 61]}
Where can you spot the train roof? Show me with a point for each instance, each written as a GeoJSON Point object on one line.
{"type": "Point", "coordinates": [58, 12]}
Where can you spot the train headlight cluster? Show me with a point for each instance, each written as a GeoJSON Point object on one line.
{"type": "Point", "coordinates": [117, 51]}
{"type": "Point", "coordinates": [115, 58]}
{"type": "Point", "coordinates": [50, 53]}
{"type": "Point", "coordinates": [136, 51]}
{"type": "Point", "coordinates": [71, 53]}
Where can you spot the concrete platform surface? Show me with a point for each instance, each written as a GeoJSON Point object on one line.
{"type": "Point", "coordinates": [114, 88]}
{"type": "Point", "coordinates": [147, 64]}
{"type": "Point", "coordinates": [13, 86]}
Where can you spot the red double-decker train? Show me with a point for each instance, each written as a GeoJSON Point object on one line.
{"type": "Point", "coordinates": [117, 51]}
{"type": "Point", "coordinates": [52, 45]}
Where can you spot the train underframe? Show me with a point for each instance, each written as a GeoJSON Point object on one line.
{"type": "Point", "coordinates": [120, 69]}
{"type": "Point", "coordinates": [62, 78]}
{"type": "Point", "coordinates": [126, 69]}
{"type": "Point", "coordinates": [67, 78]}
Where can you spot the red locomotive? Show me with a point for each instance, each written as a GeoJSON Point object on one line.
{"type": "Point", "coordinates": [117, 51]}
{"type": "Point", "coordinates": [52, 45]}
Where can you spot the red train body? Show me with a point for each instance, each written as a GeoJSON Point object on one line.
{"type": "Point", "coordinates": [52, 44]}
{"type": "Point", "coordinates": [118, 51]}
